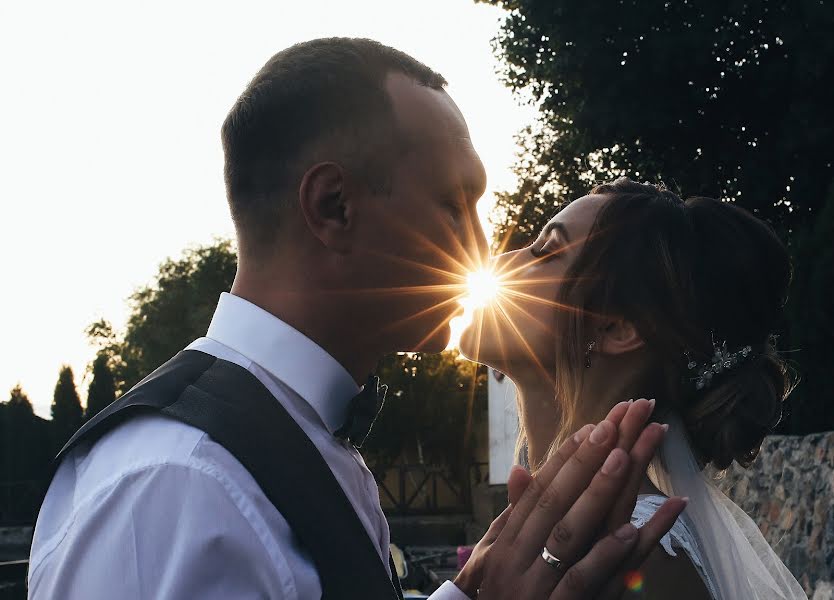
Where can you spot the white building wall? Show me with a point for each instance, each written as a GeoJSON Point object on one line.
{"type": "Point", "coordinates": [503, 427]}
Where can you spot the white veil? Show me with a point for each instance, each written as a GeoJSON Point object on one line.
{"type": "Point", "coordinates": [738, 561]}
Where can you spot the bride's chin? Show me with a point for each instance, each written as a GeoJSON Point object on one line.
{"type": "Point", "coordinates": [474, 344]}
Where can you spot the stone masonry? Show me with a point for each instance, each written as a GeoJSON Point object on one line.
{"type": "Point", "coordinates": [789, 492]}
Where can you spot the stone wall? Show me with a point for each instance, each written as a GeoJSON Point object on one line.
{"type": "Point", "coordinates": [789, 492]}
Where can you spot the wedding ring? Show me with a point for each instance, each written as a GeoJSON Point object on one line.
{"type": "Point", "coordinates": [551, 560]}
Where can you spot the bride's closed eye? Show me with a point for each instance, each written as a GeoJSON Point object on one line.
{"type": "Point", "coordinates": [550, 242]}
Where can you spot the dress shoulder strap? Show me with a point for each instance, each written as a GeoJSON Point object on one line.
{"type": "Point", "coordinates": [680, 536]}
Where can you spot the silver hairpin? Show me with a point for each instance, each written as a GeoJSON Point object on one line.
{"type": "Point", "coordinates": [722, 360]}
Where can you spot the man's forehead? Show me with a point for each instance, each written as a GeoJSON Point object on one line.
{"type": "Point", "coordinates": [425, 115]}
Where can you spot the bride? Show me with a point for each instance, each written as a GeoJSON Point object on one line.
{"type": "Point", "coordinates": [631, 292]}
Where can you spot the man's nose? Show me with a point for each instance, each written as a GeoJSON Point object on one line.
{"type": "Point", "coordinates": [478, 245]}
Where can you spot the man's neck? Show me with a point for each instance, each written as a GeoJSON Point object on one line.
{"type": "Point", "coordinates": [330, 329]}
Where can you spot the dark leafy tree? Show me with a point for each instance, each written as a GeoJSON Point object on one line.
{"type": "Point", "coordinates": [102, 390]}
{"type": "Point", "coordinates": [811, 323]}
{"type": "Point", "coordinates": [724, 99]}
{"type": "Point", "coordinates": [434, 405]}
{"type": "Point", "coordinates": [67, 414]}
{"type": "Point", "coordinates": [168, 314]}
{"type": "Point", "coordinates": [26, 447]}
{"type": "Point", "coordinates": [19, 403]}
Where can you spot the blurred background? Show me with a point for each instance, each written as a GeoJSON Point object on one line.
{"type": "Point", "coordinates": [116, 241]}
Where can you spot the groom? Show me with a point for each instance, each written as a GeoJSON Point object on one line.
{"type": "Point", "coordinates": [232, 471]}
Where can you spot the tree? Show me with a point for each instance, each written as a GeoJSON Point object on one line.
{"type": "Point", "coordinates": [66, 407]}
{"type": "Point", "coordinates": [19, 402]}
{"type": "Point", "coordinates": [17, 415]}
{"type": "Point", "coordinates": [724, 99]}
{"type": "Point", "coordinates": [167, 315]}
{"type": "Point", "coordinates": [811, 323]}
{"type": "Point", "coordinates": [432, 403]}
{"type": "Point", "coordinates": [102, 390]}
{"type": "Point", "coordinates": [25, 443]}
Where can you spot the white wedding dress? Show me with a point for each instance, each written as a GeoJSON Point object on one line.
{"type": "Point", "coordinates": [722, 541]}
{"type": "Point", "coordinates": [680, 537]}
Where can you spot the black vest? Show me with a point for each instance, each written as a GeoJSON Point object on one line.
{"type": "Point", "coordinates": [239, 412]}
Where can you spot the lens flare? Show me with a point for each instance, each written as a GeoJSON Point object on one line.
{"type": "Point", "coordinates": [483, 286]}
{"type": "Point", "coordinates": [634, 581]}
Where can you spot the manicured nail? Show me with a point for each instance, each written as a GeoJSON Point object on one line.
{"type": "Point", "coordinates": [665, 427]}
{"type": "Point", "coordinates": [581, 435]}
{"type": "Point", "coordinates": [626, 533]}
{"type": "Point", "coordinates": [685, 500]}
{"type": "Point", "coordinates": [651, 405]}
{"type": "Point", "coordinates": [599, 434]}
{"type": "Point", "coordinates": [613, 463]}
{"type": "Point", "coordinates": [631, 401]}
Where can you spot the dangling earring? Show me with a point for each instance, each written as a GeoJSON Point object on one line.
{"type": "Point", "coordinates": [590, 349]}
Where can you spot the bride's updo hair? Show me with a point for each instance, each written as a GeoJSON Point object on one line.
{"type": "Point", "coordinates": [689, 275]}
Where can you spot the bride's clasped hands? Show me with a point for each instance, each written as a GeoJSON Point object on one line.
{"type": "Point", "coordinates": [576, 507]}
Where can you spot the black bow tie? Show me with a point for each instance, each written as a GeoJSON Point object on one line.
{"type": "Point", "coordinates": [362, 412]}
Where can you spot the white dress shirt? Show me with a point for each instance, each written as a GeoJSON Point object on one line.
{"type": "Point", "coordinates": [156, 509]}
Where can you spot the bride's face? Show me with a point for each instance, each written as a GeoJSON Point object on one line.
{"type": "Point", "coordinates": [516, 332]}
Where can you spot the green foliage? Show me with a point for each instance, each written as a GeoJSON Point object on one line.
{"type": "Point", "coordinates": [168, 314]}
{"type": "Point", "coordinates": [811, 319]}
{"type": "Point", "coordinates": [66, 407]}
{"type": "Point", "coordinates": [19, 403]}
{"type": "Point", "coordinates": [25, 442]}
{"type": "Point", "coordinates": [102, 390]}
{"type": "Point", "coordinates": [432, 406]}
{"type": "Point", "coordinates": [724, 99]}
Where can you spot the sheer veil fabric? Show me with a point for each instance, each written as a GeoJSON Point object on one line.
{"type": "Point", "coordinates": [738, 561]}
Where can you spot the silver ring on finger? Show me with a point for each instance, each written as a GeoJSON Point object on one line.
{"type": "Point", "coordinates": [551, 560]}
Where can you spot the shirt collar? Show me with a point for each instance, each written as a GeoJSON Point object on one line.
{"type": "Point", "coordinates": [287, 354]}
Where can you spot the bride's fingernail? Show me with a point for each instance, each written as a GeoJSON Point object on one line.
{"type": "Point", "coordinates": [613, 463]}
{"type": "Point", "coordinates": [599, 434]}
{"type": "Point", "coordinates": [626, 532]}
{"type": "Point", "coordinates": [582, 434]}
{"type": "Point", "coordinates": [651, 405]}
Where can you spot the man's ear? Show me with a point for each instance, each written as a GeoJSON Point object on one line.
{"type": "Point", "coordinates": [617, 335]}
{"type": "Point", "coordinates": [323, 201]}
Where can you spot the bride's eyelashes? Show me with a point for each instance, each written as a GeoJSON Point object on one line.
{"type": "Point", "coordinates": [549, 244]}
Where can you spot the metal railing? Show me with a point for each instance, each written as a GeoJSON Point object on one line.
{"type": "Point", "coordinates": [417, 489]}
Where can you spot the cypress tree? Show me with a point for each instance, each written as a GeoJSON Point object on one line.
{"type": "Point", "coordinates": [67, 413]}
{"type": "Point", "coordinates": [102, 389]}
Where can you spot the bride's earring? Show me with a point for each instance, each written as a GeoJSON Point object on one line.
{"type": "Point", "coordinates": [590, 349]}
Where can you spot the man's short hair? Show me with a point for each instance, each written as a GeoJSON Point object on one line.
{"type": "Point", "coordinates": [322, 99]}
